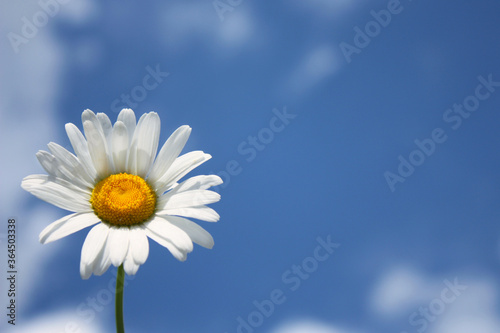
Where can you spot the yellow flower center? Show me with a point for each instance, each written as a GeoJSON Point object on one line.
{"type": "Point", "coordinates": [123, 199]}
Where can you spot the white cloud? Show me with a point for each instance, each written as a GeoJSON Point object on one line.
{"type": "Point", "coordinates": [400, 290]}
{"type": "Point", "coordinates": [236, 29]}
{"type": "Point", "coordinates": [403, 292]}
{"type": "Point", "coordinates": [28, 91]}
{"type": "Point", "coordinates": [187, 23]}
{"type": "Point", "coordinates": [55, 323]}
{"type": "Point", "coordinates": [318, 64]}
{"type": "Point", "coordinates": [79, 11]}
{"type": "Point", "coordinates": [474, 311]}
{"type": "Point", "coordinates": [309, 326]}
{"type": "Point", "coordinates": [31, 256]}
{"type": "Point", "coordinates": [486, 324]}
{"type": "Point", "coordinates": [30, 85]}
{"type": "Point", "coordinates": [326, 8]}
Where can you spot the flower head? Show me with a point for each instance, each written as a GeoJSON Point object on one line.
{"type": "Point", "coordinates": [117, 182]}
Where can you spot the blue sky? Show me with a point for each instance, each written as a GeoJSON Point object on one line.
{"type": "Point", "coordinates": [304, 135]}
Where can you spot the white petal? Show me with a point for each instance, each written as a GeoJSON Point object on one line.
{"type": "Point", "coordinates": [169, 152]}
{"type": "Point", "coordinates": [145, 144]}
{"type": "Point", "coordinates": [119, 144]}
{"type": "Point", "coordinates": [194, 183]}
{"type": "Point", "coordinates": [54, 225]}
{"type": "Point", "coordinates": [201, 182]}
{"type": "Point", "coordinates": [147, 147]}
{"type": "Point", "coordinates": [171, 233]}
{"type": "Point", "coordinates": [102, 262]}
{"type": "Point", "coordinates": [49, 163]}
{"type": "Point", "coordinates": [178, 254]}
{"type": "Point", "coordinates": [102, 265]}
{"type": "Point", "coordinates": [132, 152]}
{"type": "Point", "coordinates": [181, 166]}
{"type": "Point", "coordinates": [188, 199]}
{"type": "Point", "coordinates": [127, 116]}
{"type": "Point", "coordinates": [88, 115]}
{"type": "Point", "coordinates": [58, 192]}
{"type": "Point", "coordinates": [92, 247]}
{"type": "Point", "coordinates": [198, 235]}
{"type": "Point", "coordinates": [85, 271]}
{"type": "Point", "coordinates": [67, 225]}
{"type": "Point", "coordinates": [71, 167]}
{"type": "Point", "coordinates": [94, 243]}
{"type": "Point", "coordinates": [203, 213]}
{"type": "Point", "coordinates": [105, 125]}
{"type": "Point", "coordinates": [118, 244]}
{"type": "Point", "coordinates": [97, 121]}
{"type": "Point", "coordinates": [81, 149]}
{"type": "Point", "coordinates": [129, 265]}
{"type": "Point", "coordinates": [97, 148]}
{"type": "Point", "coordinates": [139, 245]}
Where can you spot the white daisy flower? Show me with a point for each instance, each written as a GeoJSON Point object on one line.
{"type": "Point", "coordinates": [115, 182]}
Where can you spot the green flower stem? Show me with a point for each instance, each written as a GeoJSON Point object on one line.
{"type": "Point", "coordinates": [120, 277]}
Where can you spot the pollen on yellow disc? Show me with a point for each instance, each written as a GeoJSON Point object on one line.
{"type": "Point", "coordinates": [123, 199]}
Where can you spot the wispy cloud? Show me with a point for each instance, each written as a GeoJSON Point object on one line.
{"type": "Point", "coordinates": [476, 311]}
{"type": "Point", "coordinates": [399, 290]}
{"type": "Point", "coordinates": [188, 23]}
{"type": "Point", "coordinates": [56, 322]}
{"type": "Point", "coordinates": [316, 65]}
{"type": "Point", "coordinates": [29, 91]}
{"type": "Point", "coordinates": [326, 8]}
{"type": "Point", "coordinates": [80, 11]}
{"type": "Point", "coordinates": [309, 326]}
{"type": "Point", "coordinates": [460, 304]}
